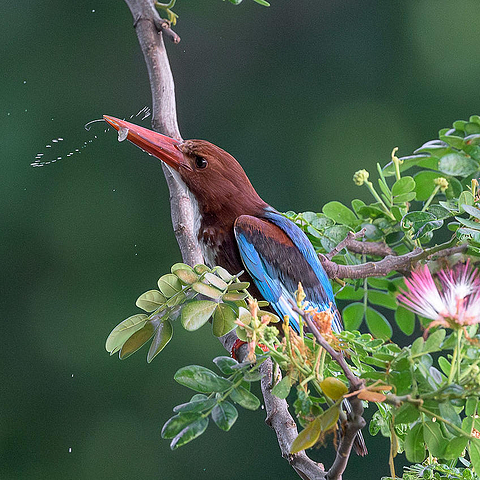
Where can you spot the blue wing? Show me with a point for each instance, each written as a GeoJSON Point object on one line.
{"type": "Point", "coordinates": [278, 255]}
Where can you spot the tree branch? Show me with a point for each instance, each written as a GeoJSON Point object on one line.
{"type": "Point", "coordinates": [148, 24]}
{"type": "Point", "coordinates": [402, 263]}
{"type": "Point", "coordinates": [355, 422]}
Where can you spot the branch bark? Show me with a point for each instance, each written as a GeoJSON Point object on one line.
{"type": "Point", "coordinates": [149, 25]}
{"type": "Point", "coordinates": [400, 263]}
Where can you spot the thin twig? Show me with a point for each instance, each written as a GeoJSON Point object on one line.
{"type": "Point", "coordinates": [345, 242]}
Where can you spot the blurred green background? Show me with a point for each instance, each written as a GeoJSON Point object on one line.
{"type": "Point", "coordinates": [302, 93]}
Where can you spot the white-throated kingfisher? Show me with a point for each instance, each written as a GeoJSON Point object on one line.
{"type": "Point", "coordinates": [236, 229]}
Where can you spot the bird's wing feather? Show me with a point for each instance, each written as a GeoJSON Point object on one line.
{"type": "Point", "coordinates": [276, 265]}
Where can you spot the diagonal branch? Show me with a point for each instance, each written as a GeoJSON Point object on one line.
{"type": "Point", "coordinates": [355, 420]}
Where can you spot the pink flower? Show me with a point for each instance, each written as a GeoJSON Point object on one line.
{"type": "Point", "coordinates": [454, 303]}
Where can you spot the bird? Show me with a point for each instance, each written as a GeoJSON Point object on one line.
{"type": "Point", "coordinates": [237, 230]}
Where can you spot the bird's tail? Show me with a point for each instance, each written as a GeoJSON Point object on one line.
{"type": "Point", "coordinates": [359, 445]}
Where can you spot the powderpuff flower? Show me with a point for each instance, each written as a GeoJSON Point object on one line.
{"type": "Point", "coordinates": [453, 303]}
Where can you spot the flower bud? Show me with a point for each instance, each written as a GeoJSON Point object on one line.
{"type": "Point", "coordinates": [360, 177]}
{"type": "Point", "coordinates": [441, 182]}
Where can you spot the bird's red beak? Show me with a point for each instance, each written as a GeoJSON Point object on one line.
{"type": "Point", "coordinates": [161, 146]}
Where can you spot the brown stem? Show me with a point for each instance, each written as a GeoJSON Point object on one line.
{"type": "Point", "coordinates": [401, 263]}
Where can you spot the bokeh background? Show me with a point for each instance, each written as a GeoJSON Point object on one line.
{"type": "Point", "coordinates": [302, 93]}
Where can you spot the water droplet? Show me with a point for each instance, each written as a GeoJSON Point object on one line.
{"type": "Point", "coordinates": [113, 190]}
{"type": "Point", "coordinates": [70, 449]}
{"type": "Point", "coordinates": [55, 140]}
{"type": "Point", "coordinates": [93, 11]}
{"type": "Point", "coordinates": [122, 134]}
{"type": "Point", "coordinates": [26, 110]}
{"type": "Point", "coordinates": [24, 82]}
{"type": "Point", "coordinates": [48, 146]}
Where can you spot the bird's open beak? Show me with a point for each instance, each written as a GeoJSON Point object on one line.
{"type": "Point", "coordinates": [161, 146]}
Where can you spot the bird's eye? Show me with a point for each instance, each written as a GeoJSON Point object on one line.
{"type": "Point", "coordinates": [200, 162]}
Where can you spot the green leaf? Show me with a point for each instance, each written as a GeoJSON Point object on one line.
{"type": "Point", "coordinates": [444, 365]}
{"type": "Point", "coordinates": [150, 301]}
{"type": "Point", "coordinates": [207, 290]}
{"type": "Point", "coordinates": [225, 364]}
{"type": "Point", "coordinates": [215, 281]}
{"type": "Point", "coordinates": [195, 314]}
{"type": "Point", "coordinates": [223, 274]}
{"type": "Point", "coordinates": [223, 320]}
{"type": "Point", "coordinates": [200, 269]}
{"type": "Point", "coordinates": [195, 406]}
{"type": "Point", "coordinates": [457, 164]}
{"type": "Point", "coordinates": [436, 442]}
{"type": "Point", "coordinates": [449, 412]}
{"type": "Point", "coordinates": [352, 316]}
{"type": "Point", "coordinates": [350, 293]}
{"type": "Point", "coordinates": [201, 379]}
{"type": "Point", "coordinates": [137, 340]}
{"type": "Point", "coordinates": [424, 185]}
{"type": "Point", "coordinates": [414, 447]}
{"type": "Point", "coordinates": [177, 423]}
{"type": "Point", "coordinates": [189, 433]}
{"type": "Point", "coordinates": [307, 437]}
{"type": "Point", "coordinates": [380, 283]}
{"type": "Point", "coordinates": [282, 388]}
{"type": "Point", "coordinates": [124, 330]}
{"type": "Point", "coordinates": [187, 277]}
{"type": "Point", "coordinates": [262, 2]}
{"type": "Point", "coordinates": [333, 388]}
{"type": "Point", "coordinates": [472, 211]}
{"type": "Point", "coordinates": [339, 213]}
{"type": "Point", "coordinates": [405, 320]}
{"type": "Point", "coordinates": [238, 286]}
{"type": "Point", "coordinates": [418, 346]}
{"type": "Point", "coordinates": [434, 341]}
{"type": "Point", "coordinates": [169, 285]}
{"type": "Point", "coordinates": [405, 197]}
{"type": "Point", "coordinates": [455, 448]}
{"type": "Point", "coordinates": [180, 266]}
{"type": "Point", "coordinates": [224, 415]}
{"type": "Point", "coordinates": [244, 398]}
{"type": "Point", "coordinates": [407, 413]}
{"type": "Point", "coordinates": [234, 296]}
{"type": "Point", "coordinates": [333, 236]}
{"type": "Point", "coordinates": [471, 406]}
{"type": "Point", "coordinates": [383, 299]}
{"type": "Point", "coordinates": [420, 223]}
{"type": "Point", "coordinates": [410, 161]}
{"type": "Point", "coordinates": [163, 335]}
{"type": "Point", "coordinates": [474, 452]}
{"type": "Point", "coordinates": [403, 185]}
{"type": "Point", "coordinates": [378, 324]}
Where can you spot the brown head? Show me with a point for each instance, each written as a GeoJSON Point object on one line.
{"type": "Point", "coordinates": [213, 176]}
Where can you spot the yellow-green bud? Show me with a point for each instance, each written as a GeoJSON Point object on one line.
{"type": "Point", "coordinates": [442, 183]}
{"type": "Point", "coordinates": [360, 177]}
